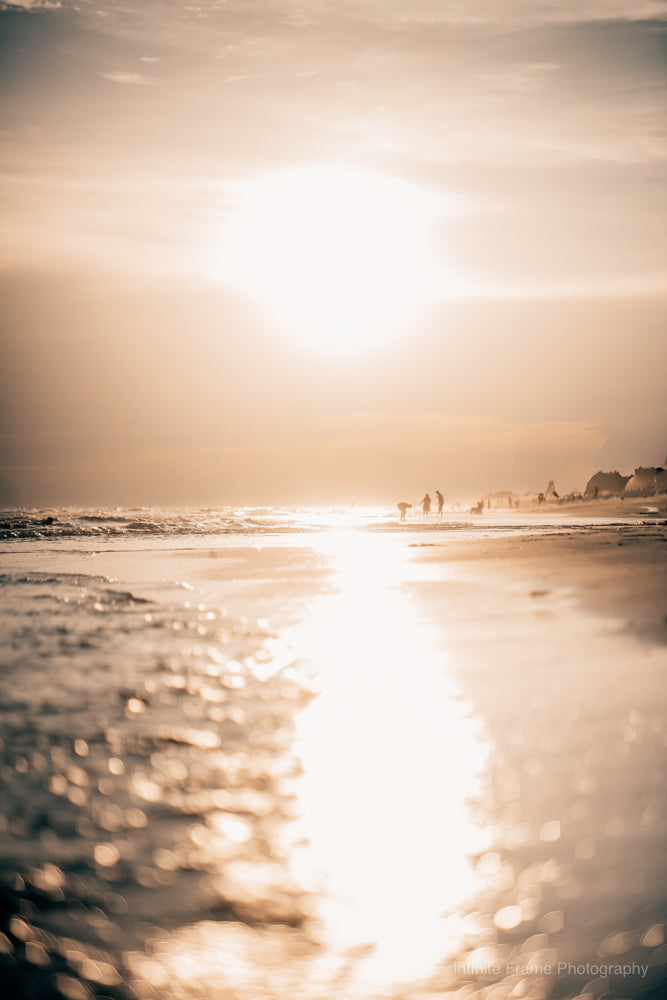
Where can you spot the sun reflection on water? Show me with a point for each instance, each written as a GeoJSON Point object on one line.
{"type": "Point", "coordinates": [390, 758]}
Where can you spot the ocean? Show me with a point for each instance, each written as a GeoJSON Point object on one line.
{"type": "Point", "coordinates": [284, 753]}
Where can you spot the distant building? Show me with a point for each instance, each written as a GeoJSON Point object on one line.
{"type": "Point", "coordinates": [646, 482]}
{"type": "Point", "coordinates": [605, 484]}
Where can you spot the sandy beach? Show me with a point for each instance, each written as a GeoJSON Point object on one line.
{"type": "Point", "coordinates": [340, 764]}
{"type": "Point", "coordinates": [560, 644]}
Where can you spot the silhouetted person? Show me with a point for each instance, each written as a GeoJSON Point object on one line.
{"type": "Point", "coordinates": [403, 507]}
{"type": "Point", "coordinates": [426, 504]}
{"type": "Point", "coordinates": [441, 501]}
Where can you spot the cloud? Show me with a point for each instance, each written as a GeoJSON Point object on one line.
{"type": "Point", "coordinates": [580, 11]}
{"type": "Point", "coordinates": [510, 13]}
{"type": "Point", "coordinates": [387, 13]}
{"type": "Point", "coordinates": [133, 79]}
{"type": "Point", "coordinates": [298, 19]}
{"type": "Point", "coordinates": [497, 115]}
{"type": "Point", "coordinates": [519, 78]}
{"type": "Point", "coordinates": [32, 5]}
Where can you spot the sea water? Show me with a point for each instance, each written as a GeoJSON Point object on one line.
{"type": "Point", "coordinates": [236, 763]}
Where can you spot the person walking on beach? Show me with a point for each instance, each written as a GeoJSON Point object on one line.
{"type": "Point", "coordinates": [441, 501]}
{"type": "Point", "coordinates": [403, 507]}
{"type": "Point", "coordinates": [426, 504]}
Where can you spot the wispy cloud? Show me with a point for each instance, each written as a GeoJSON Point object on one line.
{"type": "Point", "coordinates": [580, 11]}
{"type": "Point", "coordinates": [318, 13]}
{"type": "Point", "coordinates": [133, 79]}
{"type": "Point", "coordinates": [503, 110]}
{"type": "Point", "coordinates": [510, 13]}
{"type": "Point", "coordinates": [298, 19]}
{"type": "Point", "coordinates": [519, 78]}
{"type": "Point", "coordinates": [32, 5]}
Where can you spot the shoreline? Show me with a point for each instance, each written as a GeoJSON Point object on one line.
{"type": "Point", "coordinates": [616, 572]}
{"type": "Point", "coordinates": [560, 644]}
{"type": "Point", "coordinates": [603, 507]}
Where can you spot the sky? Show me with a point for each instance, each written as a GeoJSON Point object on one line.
{"type": "Point", "coordinates": [330, 252]}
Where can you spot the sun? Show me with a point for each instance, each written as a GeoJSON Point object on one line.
{"type": "Point", "coordinates": [338, 258]}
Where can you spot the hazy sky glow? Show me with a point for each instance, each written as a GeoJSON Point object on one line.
{"type": "Point", "coordinates": [484, 182]}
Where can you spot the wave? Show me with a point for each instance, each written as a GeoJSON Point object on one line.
{"type": "Point", "coordinates": [155, 522]}
{"type": "Point", "coordinates": [124, 522]}
{"type": "Point", "coordinates": [68, 523]}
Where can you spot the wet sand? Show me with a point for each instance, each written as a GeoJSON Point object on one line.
{"type": "Point", "coordinates": [615, 572]}
{"type": "Point", "coordinates": [560, 643]}
{"type": "Point", "coordinates": [348, 767]}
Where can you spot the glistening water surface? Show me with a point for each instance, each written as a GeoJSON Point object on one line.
{"type": "Point", "coordinates": [241, 760]}
{"type": "Point", "coordinates": [390, 757]}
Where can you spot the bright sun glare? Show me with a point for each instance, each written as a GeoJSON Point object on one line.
{"type": "Point", "coordinates": [337, 258]}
